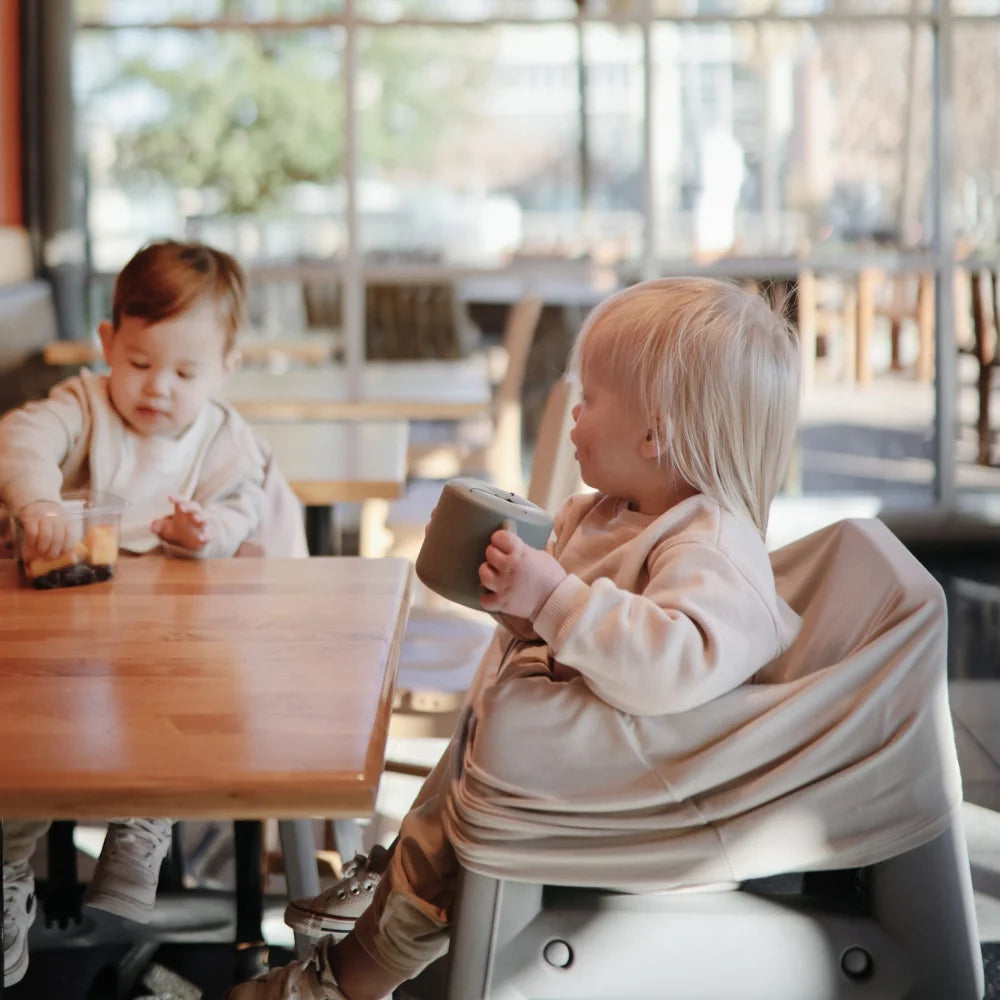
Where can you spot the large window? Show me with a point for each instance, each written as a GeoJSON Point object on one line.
{"type": "Point", "coordinates": [576, 147]}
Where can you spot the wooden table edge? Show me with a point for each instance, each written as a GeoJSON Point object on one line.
{"type": "Point", "coordinates": [360, 409]}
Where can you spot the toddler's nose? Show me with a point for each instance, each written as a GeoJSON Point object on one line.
{"type": "Point", "coordinates": [575, 412]}
{"type": "Point", "coordinates": [157, 383]}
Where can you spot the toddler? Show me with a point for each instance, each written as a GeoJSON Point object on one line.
{"type": "Point", "coordinates": [654, 597]}
{"type": "Point", "coordinates": [151, 431]}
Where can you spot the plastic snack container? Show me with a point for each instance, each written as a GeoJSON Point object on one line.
{"type": "Point", "coordinates": [467, 514]}
{"type": "Point", "coordinates": [95, 528]}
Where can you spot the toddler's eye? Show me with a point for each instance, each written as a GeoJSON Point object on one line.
{"type": "Point", "coordinates": [140, 365]}
{"type": "Point", "coordinates": [186, 375]}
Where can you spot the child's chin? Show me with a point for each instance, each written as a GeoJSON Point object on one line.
{"type": "Point", "coordinates": [153, 425]}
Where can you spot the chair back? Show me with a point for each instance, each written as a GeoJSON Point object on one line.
{"type": "Point", "coordinates": [555, 473]}
{"type": "Point", "coordinates": [848, 582]}
{"type": "Point", "coordinates": [503, 456]}
{"type": "Point", "coordinates": [414, 321]}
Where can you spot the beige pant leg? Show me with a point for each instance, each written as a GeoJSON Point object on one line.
{"type": "Point", "coordinates": [20, 838]}
{"type": "Point", "coordinates": [406, 926]}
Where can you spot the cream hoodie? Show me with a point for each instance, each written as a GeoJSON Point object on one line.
{"type": "Point", "coordinates": [75, 440]}
{"type": "Point", "coordinates": [662, 613]}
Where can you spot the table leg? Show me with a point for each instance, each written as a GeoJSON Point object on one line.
{"type": "Point", "coordinates": [925, 328]}
{"type": "Point", "coordinates": [249, 895]}
{"type": "Point", "coordinates": [64, 898]}
{"type": "Point", "coordinates": [806, 316]}
{"type": "Point", "coordinates": [867, 281]}
{"type": "Point", "coordinates": [298, 848]}
{"type": "Point", "coordinates": [849, 321]}
{"type": "Point", "coordinates": [376, 538]}
{"type": "Point", "coordinates": [319, 536]}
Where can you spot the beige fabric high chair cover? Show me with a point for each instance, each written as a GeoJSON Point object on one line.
{"type": "Point", "coordinates": [840, 754]}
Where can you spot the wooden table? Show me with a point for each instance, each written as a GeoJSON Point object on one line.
{"type": "Point", "coordinates": [313, 349]}
{"type": "Point", "coordinates": [388, 390]}
{"type": "Point", "coordinates": [202, 689]}
{"type": "Point", "coordinates": [328, 462]}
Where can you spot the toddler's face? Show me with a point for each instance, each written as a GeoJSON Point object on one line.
{"type": "Point", "coordinates": [162, 374]}
{"type": "Point", "coordinates": [610, 439]}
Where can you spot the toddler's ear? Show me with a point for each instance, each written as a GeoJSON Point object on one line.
{"type": "Point", "coordinates": [654, 443]}
{"type": "Point", "coordinates": [107, 334]}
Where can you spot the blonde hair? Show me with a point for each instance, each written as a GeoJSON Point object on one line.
{"type": "Point", "coordinates": [166, 277]}
{"type": "Point", "coordinates": [715, 371]}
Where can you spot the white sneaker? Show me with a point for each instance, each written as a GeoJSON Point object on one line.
{"type": "Point", "coordinates": [19, 912]}
{"type": "Point", "coordinates": [128, 869]}
{"type": "Point", "coordinates": [310, 979]}
{"type": "Point", "coordinates": [336, 910]}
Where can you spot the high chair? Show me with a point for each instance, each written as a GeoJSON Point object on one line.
{"type": "Point", "coordinates": [883, 924]}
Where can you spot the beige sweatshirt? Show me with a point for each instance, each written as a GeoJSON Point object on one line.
{"type": "Point", "coordinates": [76, 440]}
{"type": "Point", "coordinates": [662, 613]}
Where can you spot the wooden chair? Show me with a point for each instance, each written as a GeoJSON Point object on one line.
{"type": "Point", "coordinates": [826, 309]}
{"type": "Point", "coordinates": [489, 449]}
{"type": "Point", "coordinates": [414, 320]}
{"type": "Point", "coordinates": [983, 304]}
{"type": "Point", "coordinates": [442, 646]}
{"type": "Point", "coordinates": [492, 447]}
{"type": "Point", "coordinates": [908, 297]}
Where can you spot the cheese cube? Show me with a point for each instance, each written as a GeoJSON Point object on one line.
{"type": "Point", "coordinates": [39, 567]}
{"type": "Point", "coordinates": [101, 544]}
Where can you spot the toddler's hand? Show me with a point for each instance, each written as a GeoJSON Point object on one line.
{"type": "Point", "coordinates": [185, 528]}
{"type": "Point", "coordinates": [48, 532]}
{"type": "Point", "coordinates": [518, 578]}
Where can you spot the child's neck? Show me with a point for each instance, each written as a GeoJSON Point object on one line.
{"type": "Point", "coordinates": [659, 501]}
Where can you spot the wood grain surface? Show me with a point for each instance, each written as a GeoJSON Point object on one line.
{"type": "Point", "coordinates": [213, 688]}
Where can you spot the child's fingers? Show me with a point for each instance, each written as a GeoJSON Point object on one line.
{"type": "Point", "coordinates": [499, 561]}
{"type": "Point", "coordinates": [42, 541]}
{"type": "Point", "coordinates": [165, 529]}
{"type": "Point", "coordinates": [182, 506]}
{"type": "Point", "coordinates": [53, 537]}
{"type": "Point", "coordinates": [30, 528]}
{"type": "Point", "coordinates": [489, 577]}
{"type": "Point", "coordinates": [506, 541]}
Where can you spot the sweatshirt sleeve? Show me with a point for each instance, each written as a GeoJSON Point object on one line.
{"type": "Point", "coordinates": [34, 442]}
{"type": "Point", "coordinates": [698, 629]}
{"type": "Point", "coordinates": [231, 490]}
{"type": "Point", "coordinates": [234, 518]}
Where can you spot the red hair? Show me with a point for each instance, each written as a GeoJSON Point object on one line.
{"type": "Point", "coordinates": [167, 277]}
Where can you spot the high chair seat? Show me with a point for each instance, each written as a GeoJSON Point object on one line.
{"type": "Point", "coordinates": [906, 932]}
{"type": "Point", "coordinates": [837, 761]}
